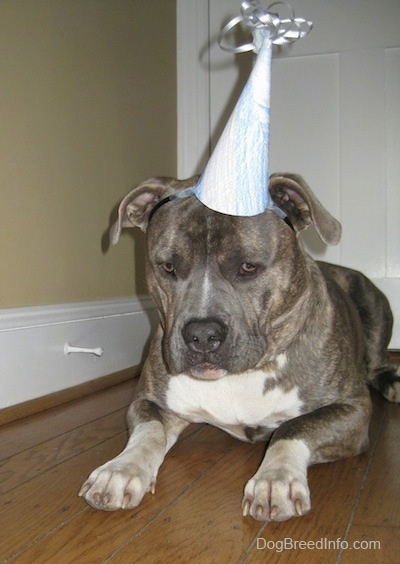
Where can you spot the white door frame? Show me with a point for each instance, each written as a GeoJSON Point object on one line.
{"type": "Point", "coordinates": [193, 86]}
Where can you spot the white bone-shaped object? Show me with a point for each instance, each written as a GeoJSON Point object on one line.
{"type": "Point", "coordinates": [68, 349]}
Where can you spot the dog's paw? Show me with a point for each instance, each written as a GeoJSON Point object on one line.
{"type": "Point", "coordinates": [388, 383]}
{"type": "Point", "coordinates": [275, 495]}
{"type": "Point", "coordinates": [113, 486]}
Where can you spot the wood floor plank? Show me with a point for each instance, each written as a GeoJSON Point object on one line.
{"type": "Point", "coordinates": [32, 462]}
{"type": "Point", "coordinates": [378, 545]}
{"type": "Point", "coordinates": [205, 524]}
{"type": "Point", "coordinates": [50, 499]}
{"type": "Point", "coordinates": [44, 403]}
{"type": "Point", "coordinates": [379, 504]}
{"type": "Point", "coordinates": [21, 435]}
{"type": "Point", "coordinates": [79, 530]}
{"type": "Point", "coordinates": [377, 517]}
{"type": "Point", "coordinates": [195, 514]}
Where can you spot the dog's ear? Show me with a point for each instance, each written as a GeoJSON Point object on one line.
{"type": "Point", "coordinates": [135, 208]}
{"type": "Point", "coordinates": [294, 197]}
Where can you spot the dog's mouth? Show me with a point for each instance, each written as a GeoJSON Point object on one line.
{"type": "Point", "coordinates": [207, 372]}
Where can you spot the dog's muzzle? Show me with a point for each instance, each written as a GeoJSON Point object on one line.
{"type": "Point", "coordinates": [203, 339]}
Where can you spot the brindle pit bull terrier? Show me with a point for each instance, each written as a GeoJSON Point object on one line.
{"type": "Point", "coordinates": [256, 338]}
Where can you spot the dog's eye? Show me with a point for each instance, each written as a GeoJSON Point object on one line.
{"type": "Point", "coordinates": [169, 268]}
{"type": "Point", "coordinates": [247, 268]}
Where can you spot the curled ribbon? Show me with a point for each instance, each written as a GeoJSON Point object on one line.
{"type": "Point", "coordinates": [262, 22]}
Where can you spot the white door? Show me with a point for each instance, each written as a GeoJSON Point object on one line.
{"type": "Point", "coordinates": [335, 118]}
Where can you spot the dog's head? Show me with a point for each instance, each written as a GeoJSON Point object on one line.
{"type": "Point", "coordinates": [230, 290]}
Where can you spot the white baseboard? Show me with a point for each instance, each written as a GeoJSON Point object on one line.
{"type": "Point", "coordinates": [32, 340]}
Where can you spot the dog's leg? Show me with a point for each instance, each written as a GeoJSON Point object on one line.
{"type": "Point", "coordinates": [376, 317]}
{"type": "Point", "coordinates": [279, 489]}
{"type": "Point", "coordinates": [377, 320]}
{"type": "Point", "coordinates": [122, 482]}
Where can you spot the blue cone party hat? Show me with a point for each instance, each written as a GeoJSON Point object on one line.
{"type": "Point", "coordinates": [235, 180]}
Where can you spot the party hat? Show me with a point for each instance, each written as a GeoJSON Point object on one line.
{"type": "Point", "coordinates": [235, 179]}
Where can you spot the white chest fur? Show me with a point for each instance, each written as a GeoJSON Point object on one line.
{"type": "Point", "coordinates": [242, 400]}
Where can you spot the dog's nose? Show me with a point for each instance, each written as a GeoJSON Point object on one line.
{"type": "Point", "coordinates": [204, 335]}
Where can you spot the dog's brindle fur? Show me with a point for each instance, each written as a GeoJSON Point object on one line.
{"type": "Point", "coordinates": [256, 338]}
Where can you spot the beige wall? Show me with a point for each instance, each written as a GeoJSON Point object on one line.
{"type": "Point", "coordinates": [87, 110]}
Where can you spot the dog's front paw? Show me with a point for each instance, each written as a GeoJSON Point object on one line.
{"type": "Point", "coordinates": [273, 495]}
{"type": "Point", "coordinates": [113, 486]}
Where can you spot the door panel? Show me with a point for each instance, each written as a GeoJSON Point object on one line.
{"type": "Point", "coordinates": [335, 119]}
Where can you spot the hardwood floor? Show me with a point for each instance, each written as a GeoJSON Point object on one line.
{"type": "Point", "coordinates": [195, 514]}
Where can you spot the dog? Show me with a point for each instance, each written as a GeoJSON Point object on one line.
{"type": "Point", "coordinates": [255, 337]}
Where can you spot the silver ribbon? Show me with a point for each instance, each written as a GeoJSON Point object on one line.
{"type": "Point", "coordinates": [281, 30]}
